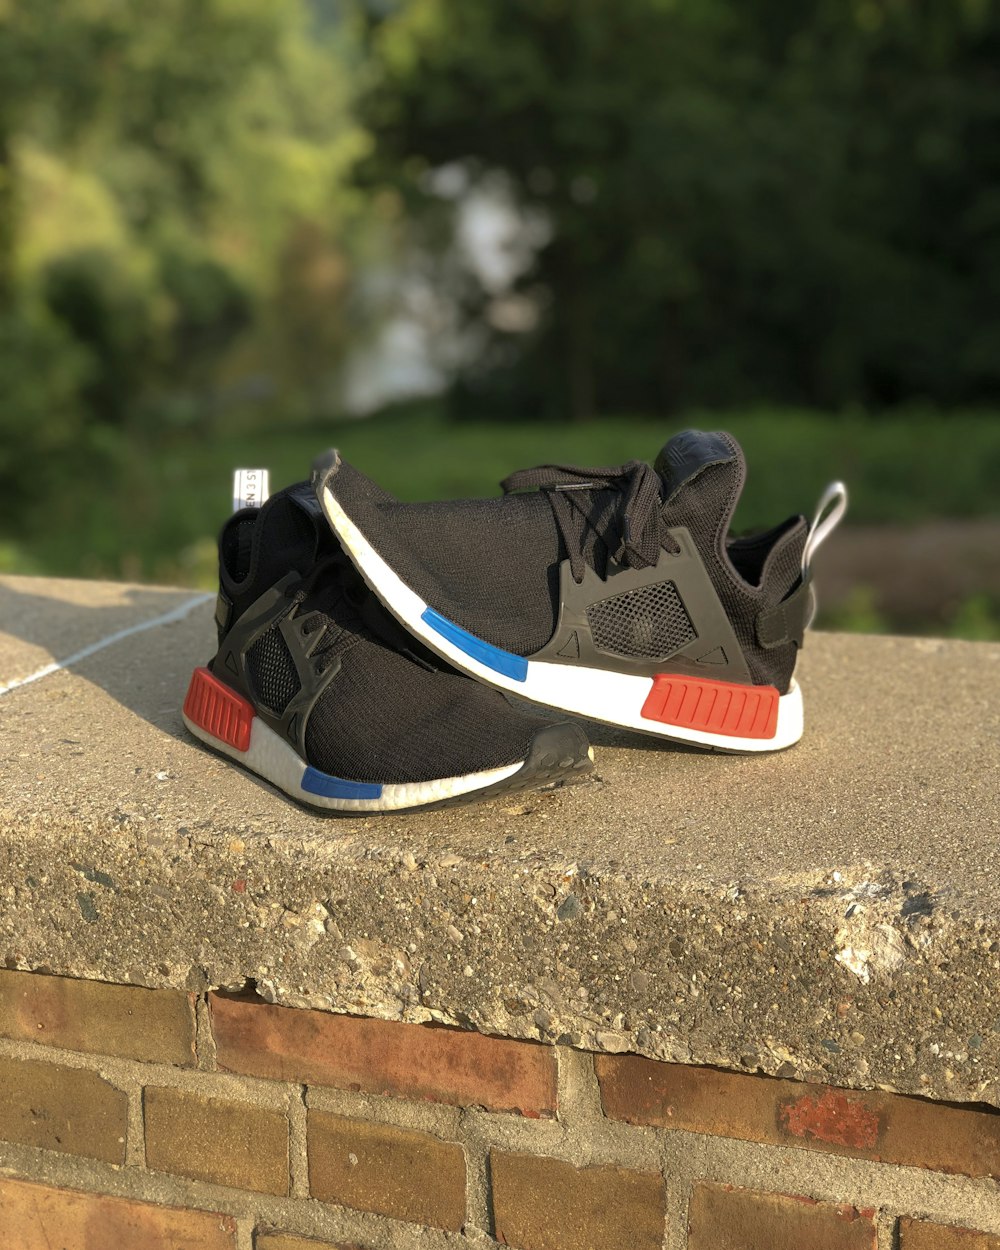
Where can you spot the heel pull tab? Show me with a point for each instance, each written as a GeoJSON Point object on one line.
{"type": "Point", "coordinates": [251, 488]}
{"type": "Point", "coordinates": [829, 513]}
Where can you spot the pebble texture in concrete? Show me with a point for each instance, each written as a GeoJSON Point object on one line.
{"type": "Point", "coordinates": [828, 913]}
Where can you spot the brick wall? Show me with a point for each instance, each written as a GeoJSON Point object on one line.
{"type": "Point", "coordinates": [159, 1120]}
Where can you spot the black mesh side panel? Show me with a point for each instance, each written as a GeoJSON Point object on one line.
{"type": "Point", "coordinates": [385, 719]}
{"type": "Point", "coordinates": [491, 565]}
{"type": "Point", "coordinates": [272, 670]}
{"type": "Point", "coordinates": [648, 622]}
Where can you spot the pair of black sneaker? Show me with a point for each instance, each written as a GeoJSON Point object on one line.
{"type": "Point", "coordinates": [350, 624]}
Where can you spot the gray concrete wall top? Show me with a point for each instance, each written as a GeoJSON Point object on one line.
{"type": "Point", "coordinates": [829, 912]}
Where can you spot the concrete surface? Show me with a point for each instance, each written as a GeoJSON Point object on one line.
{"type": "Point", "coordinates": [828, 913]}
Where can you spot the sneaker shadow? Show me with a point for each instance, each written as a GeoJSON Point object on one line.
{"type": "Point", "coordinates": [146, 671]}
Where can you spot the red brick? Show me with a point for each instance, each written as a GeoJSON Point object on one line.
{"type": "Point", "coordinates": [388, 1170]}
{"type": "Point", "coordinates": [213, 1139]}
{"type": "Point", "coordinates": [920, 1235]}
{"type": "Point", "coordinates": [383, 1056]}
{"type": "Point", "coordinates": [37, 1217]}
{"type": "Point", "coordinates": [544, 1204]}
{"type": "Point", "coordinates": [66, 1109]}
{"type": "Point", "coordinates": [723, 1218]}
{"type": "Point", "coordinates": [98, 1018]}
{"type": "Point", "coordinates": [889, 1128]}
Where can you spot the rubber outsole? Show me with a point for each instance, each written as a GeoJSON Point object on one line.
{"type": "Point", "coordinates": [557, 753]}
{"type": "Point", "coordinates": [598, 694]}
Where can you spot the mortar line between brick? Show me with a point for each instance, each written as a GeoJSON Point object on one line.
{"type": "Point", "coordinates": [298, 1142]}
{"type": "Point", "coordinates": [135, 1130]}
{"type": "Point", "coordinates": [579, 1095]}
{"type": "Point", "coordinates": [204, 1038]}
{"type": "Point", "coordinates": [244, 1233]}
{"type": "Point", "coordinates": [891, 1189]}
{"type": "Point", "coordinates": [439, 1119]}
{"type": "Point", "coordinates": [677, 1184]}
{"type": "Point", "coordinates": [477, 1186]}
{"type": "Point", "coordinates": [886, 1228]}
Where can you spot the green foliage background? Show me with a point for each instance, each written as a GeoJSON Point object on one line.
{"type": "Point", "coordinates": [748, 200]}
{"type": "Point", "coordinates": [178, 227]}
{"type": "Point", "coordinates": [784, 219]}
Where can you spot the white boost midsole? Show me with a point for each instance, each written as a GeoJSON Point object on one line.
{"type": "Point", "coordinates": [272, 758]}
{"type": "Point", "coordinates": [616, 698]}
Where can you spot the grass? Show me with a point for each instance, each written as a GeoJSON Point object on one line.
{"type": "Point", "coordinates": [155, 517]}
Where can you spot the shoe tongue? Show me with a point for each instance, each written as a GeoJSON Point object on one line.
{"type": "Point", "coordinates": [691, 452]}
{"type": "Point", "coordinates": [703, 476]}
{"type": "Point", "coordinates": [286, 535]}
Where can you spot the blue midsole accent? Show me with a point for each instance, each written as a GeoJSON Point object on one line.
{"type": "Point", "coordinates": [513, 666]}
{"type": "Point", "coordinates": [336, 787]}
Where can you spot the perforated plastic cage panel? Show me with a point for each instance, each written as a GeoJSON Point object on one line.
{"type": "Point", "coordinates": [649, 622]}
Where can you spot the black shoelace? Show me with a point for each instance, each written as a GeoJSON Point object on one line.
{"type": "Point", "coordinates": [635, 534]}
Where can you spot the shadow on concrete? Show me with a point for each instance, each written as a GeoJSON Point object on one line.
{"type": "Point", "coordinates": [146, 672]}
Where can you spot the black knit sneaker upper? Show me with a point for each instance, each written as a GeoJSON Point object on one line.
{"type": "Point", "coordinates": [622, 568]}
{"type": "Point", "coordinates": [326, 667]}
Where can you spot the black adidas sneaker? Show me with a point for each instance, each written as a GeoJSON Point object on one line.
{"type": "Point", "coordinates": [318, 690]}
{"type": "Point", "coordinates": [616, 594]}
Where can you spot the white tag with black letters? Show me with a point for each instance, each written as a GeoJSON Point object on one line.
{"type": "Point", "coordinates": [250, 488]}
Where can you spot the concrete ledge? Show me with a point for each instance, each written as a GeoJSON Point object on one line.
{"type": "Point", "coordinates": [829, 913]}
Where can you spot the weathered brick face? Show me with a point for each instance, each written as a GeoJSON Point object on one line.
{"type": "Point", "coordinates": [383, 1057]}
{"type": "Point", "coordinates": [285, 1129]}
{"type": "Point", "coordinates": [862, 1125]}
{"type": "Point", "coordinates": [725, 1218]}
{"type": "Point", "coordinates": [156, 1026]}
{"type": "Point", "coordinates": [69, 1110]}
{"type": "Point", "coordinates": [543, 1204]}
{"type": "Point", "coordinates": [389, 1170]}
{"type": "Point", "coordinates": [39, 1217]}
{"type": "Point", "coordinates": [213, 1139]}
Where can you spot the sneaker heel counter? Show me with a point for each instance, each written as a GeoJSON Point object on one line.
{"type": "Point", "coordinates": [788, 597]}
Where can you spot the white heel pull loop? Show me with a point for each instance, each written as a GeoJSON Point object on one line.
{"type": "Point", "coordinates": [829, 513]}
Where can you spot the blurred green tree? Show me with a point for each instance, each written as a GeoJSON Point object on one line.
{"type": "Point", "coordinates": [745, 201]}
{"type": "Point", "coordinates": [157, 165]}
